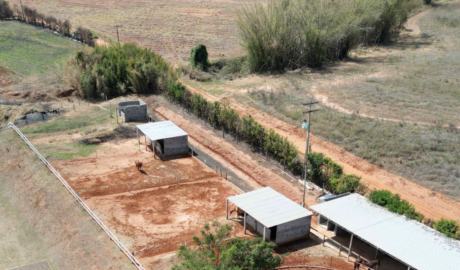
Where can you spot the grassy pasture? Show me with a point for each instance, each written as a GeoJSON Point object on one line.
{"type": "Point", "coordinates": [28, 50]}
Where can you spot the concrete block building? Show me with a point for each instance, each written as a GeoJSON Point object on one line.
{"type": "Point", "coordinates": [166, 138]}
{"type": "Point", "coordinates": [272, 215]}
{"type": "Point", "coordinates": [133, 111]}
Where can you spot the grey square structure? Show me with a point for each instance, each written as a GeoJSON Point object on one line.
{"type": "Point", "coordinates": [272, 215]}
{"type": "Point", "coordinates": [167, 138]}
{"type": "Point", "coordinates": [133, 111]}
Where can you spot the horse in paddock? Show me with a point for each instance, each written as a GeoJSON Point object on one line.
{"type": "Point", "coordinates": [138, 165]}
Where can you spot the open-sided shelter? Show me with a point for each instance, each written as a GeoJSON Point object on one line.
{"type": "Point", "coordinates": [273, 215]}
{"type": "Point", "coordinates": [399, 242]}
{"type": "Point", "coordinates": [167, 138]}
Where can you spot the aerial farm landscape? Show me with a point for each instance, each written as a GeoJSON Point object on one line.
{"type": "Point", "coordinates": [241, 135]}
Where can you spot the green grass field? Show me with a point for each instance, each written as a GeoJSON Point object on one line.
{"type": "Point", "coordinates": [28, 50]}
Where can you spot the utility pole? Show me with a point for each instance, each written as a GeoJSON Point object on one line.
{"type": "Point", "coordinates": [118, 37]}
{"type": "Point", "coordinates": [306, 126]}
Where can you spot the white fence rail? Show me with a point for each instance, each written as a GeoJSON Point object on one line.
{"type": "Point", "coordinates": [128, 254]}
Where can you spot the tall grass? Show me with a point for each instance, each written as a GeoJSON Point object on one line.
{"type": "Point", "coordinates": [118, 69]}
{"type": "Point", "coordinates": [288, 34]}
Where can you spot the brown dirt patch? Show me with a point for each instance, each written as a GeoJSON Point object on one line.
{"type": "Point", "coordinates": [114, 169]}
{"type": "Point", "coordinates": [158, 220]}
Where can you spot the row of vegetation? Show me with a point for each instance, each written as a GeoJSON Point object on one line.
{"type": "Point", "coordinates": [393, 203]}
{"type": "Point", "coordinates": [31, 16]}
{"type": "Point", "coordinates": [290, 34]}
{"type": "Point", "coordinates": [323, 171]}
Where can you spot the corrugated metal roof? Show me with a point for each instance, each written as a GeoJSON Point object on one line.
{"type": "Point", "coordinates": [161, 130]}
{"type": "Point", "coordinates": [269, 207]}
{"type": "Point", "coordinates": [409, 241]}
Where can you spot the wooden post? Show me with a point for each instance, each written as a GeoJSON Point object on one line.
{"type": "Point", "coordinates": [324, 240]}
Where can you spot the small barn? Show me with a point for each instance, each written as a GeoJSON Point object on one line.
{"type": "Point", "coordinates": [133, 111]}
{"type": "Point", "coordinates": [272, 215]}
{"type": "Point", "coordinates": [372, 232]}
{"type": "Point", "coordinates": [166, 138]}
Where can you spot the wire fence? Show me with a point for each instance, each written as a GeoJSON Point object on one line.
{"type": "Point", "coordinates": [128, 254]}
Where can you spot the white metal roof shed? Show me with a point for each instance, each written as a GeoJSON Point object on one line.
{"type": "Point", "coordinates": [269, 207]}
{"type": "Point", "coordinates": [161, 130]}
{"type": "Point", "coordinates": [409, 241]}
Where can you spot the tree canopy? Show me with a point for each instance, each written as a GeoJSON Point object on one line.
{"type": "Point", "coordinates": [215, 250]}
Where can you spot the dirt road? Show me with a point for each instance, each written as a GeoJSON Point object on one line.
{"type": "Point", "coordinates": [432, 204]}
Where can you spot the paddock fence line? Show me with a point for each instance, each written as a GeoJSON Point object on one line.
{"type": "Point", "coordinates": [112, 237]}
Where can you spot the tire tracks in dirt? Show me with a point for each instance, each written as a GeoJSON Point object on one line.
{"type": "Point", "coordinates": [432, 204]}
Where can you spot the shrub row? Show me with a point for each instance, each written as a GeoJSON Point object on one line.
{"type": "Point", "coordinates": [112, 71]}
{"type": "Point", "coordinates": [393, 202]}
{"type": "Point", "coordinates": [33, 17]}
{"type": "Point", "coordinates": [289, 34]}
{"type": "Point", "coordinates": [325, 172]}
{"type": "Point", "coordinates": [220, 115]}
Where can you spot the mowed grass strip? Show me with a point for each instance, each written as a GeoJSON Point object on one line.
{"type": "Point", "coordinates": [28, 50]}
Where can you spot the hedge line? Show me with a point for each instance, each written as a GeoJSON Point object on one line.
{"type": "Point", "coordinates": [393, 203]}
{"type": "Point", "coordinates": [33, 17]}
{"type": "Point", "coordinates": [323, 171]}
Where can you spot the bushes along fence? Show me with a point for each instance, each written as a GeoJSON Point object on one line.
{"type": "Point", "coordinates": [33, 17]}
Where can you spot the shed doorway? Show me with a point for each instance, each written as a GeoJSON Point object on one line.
{"type": "Point", "coordinates": [273, 231]}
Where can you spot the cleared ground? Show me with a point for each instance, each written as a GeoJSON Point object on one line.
{"type": "Point", "coordinates": [40, 220]}
{"type": "Point", "coordinates": [156, 215]}
{"type": "Point", "coordinates": [172, 28]}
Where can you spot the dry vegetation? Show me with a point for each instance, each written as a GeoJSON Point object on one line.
{"type": "Point", "coordinates": [171, 28]}
{"type": "Point", "coordinates": [36, 223]}
{"type": "Point", "coordinates": [412, 80]}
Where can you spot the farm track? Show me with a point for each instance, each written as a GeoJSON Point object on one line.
{"type": "Point", "coordinates": [432, 204]}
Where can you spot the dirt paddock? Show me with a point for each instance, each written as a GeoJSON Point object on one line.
{"type": "Point", "coordinates": [156, 215]}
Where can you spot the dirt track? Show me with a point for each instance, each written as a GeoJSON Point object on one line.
{"type": "Point", "coordinates": [432, 204]}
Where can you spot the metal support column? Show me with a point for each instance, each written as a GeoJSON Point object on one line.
{"type": "Point", "coordinates": [265, 228]}
{"type": "Point", "coordinates": [349, 249]}
{"type": "Point", "coordinates": [244, 221]}
{"type": "Point", "coordinates": [377, 254]}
